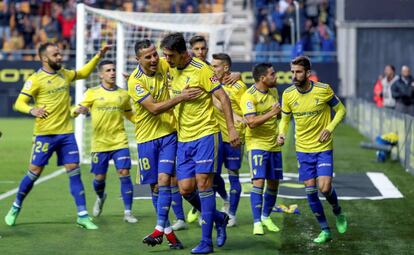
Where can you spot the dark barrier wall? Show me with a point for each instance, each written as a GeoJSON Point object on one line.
{"type": "Point", "coordinates": [379, 10]}
{"type": "Point", "coordinates": [378, 47]}
{"type": "Point", "coordinates": [14, 73]}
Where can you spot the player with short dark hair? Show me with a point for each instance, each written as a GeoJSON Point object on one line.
{"type": "Point", "coordinates": [310, 103]}
{"type": "Point", "coordinates": [108, 105]}
{"type": "Point", "coordinates": [260, 106]}
{"type": "Point", "coordinates": [49, 88]}
{"type": "Point", "coordinates": [199, 138]}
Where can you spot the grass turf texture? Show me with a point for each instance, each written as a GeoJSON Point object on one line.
{"type": "Point", "coordinates": [46, 224]}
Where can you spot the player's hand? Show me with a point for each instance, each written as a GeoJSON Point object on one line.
{"type": "Point", "coordinates": [232, 78]}
{"type": "Point", "coordinates": [325, 135]}
{"type": "Point", "coordinates": [39, 112]}
{"type": "Point", "coordinates": [276, 108]}
{"type": "Point", "coordinates": [126, 75]}
{"type": "Point", "coordinates": [281, 139]}
{"type": "Point", "coordinates": [104, 50]}
{"type": "Point", "coordinates": [189, 94]}
{"type": "Point", "coordinates": [234, 138]}
{"type": "Point", "coordinates": [82, 110]}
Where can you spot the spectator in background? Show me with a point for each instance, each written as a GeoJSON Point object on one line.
{"type": "Point", "coordinates": [29, 32]}
{"type": "Point", "coordinates": [4, 23]}
{"type": "Point", "coordinates": [12, 47]}
{"type": "Point", "coordinates": [387, 82]}
{"type": "Point", "coordinates": [50, 30]}
{"type": "Point", "coordinates": [403, 92]}
{"type": "Point", "coordinates": [67, 21]}
{"type": "Point", "coordinates": [378, 99]}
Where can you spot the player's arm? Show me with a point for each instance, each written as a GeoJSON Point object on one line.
{"type": "Point", "coordinates": [253, 120]}
{"type": "Point", "coordinates": [228, 115]}
{"type": "Point", "coordinates": [340, 112]}
{"type": "Point", "coordinates": [83, 107]}
{"type": "Point", "coordinates": [87, 69]}
{"type": "Point", "coordinates": [128, 113]}
{"type": "Point", "coordinates": [285, 120]}
{"type": "Point", "coordinates": [156, 108]}
{"type": "Point", "coordinates": [22, 105]}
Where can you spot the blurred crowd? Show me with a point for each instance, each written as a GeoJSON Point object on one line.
{"type": "Point", "coordinates": [275, 18]}
{"type": "Point", "coordinates": [395, 91]}
{"type": "Point", "coordinates": [24, 24]}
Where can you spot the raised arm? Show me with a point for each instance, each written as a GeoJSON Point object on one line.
{"type": "Point", "coordinates": [87, 69]}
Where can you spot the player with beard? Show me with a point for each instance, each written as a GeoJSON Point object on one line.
{"type": "Point", "coordinates": [260, 107]}
{"type": "Point", "coordinates": [53, 130]}
{"type": "Point", "coordinates": [310, 103]}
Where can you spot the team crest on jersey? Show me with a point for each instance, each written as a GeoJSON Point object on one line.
{"type": "Point", "coordinates": [214, 79]}
{"type": "Point", "coordinates": [249, 105]}
{"type": "Point", "coordinates": [28, 85]}
{"type": "Point", "coordinates": [138, 89]}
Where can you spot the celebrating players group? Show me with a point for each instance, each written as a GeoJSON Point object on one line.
{"type": "Point", "coordinates": [190, 118]}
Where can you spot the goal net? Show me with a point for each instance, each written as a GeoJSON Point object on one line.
{"type": "Point", "coordinates": [96, 27]}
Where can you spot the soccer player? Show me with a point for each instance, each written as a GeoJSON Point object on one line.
{"type": "Point", "coordinates": [199, 136]}
{"type": "Point", "coordinates": [260, 106]}
{"type": "Point", "coordinates": [232, 157]}
{"type": "Point", "coordinates": [310, 103]}
{"type": "Point", "coordinates": [156, 133]}
{"type": "Point", "coordinates": [53, 130]}
{"type": "Point", "coordinates": [108, 105]}
{"type": "Point", "coordinates": [199, 49]}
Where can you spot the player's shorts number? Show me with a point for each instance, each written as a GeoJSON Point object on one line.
{"type": "Point", "coordinates": [144, 163]}
{"type": "Point", "coordinates": [95, 158]}
{"type": "Point", "coordinates": [258, 159]}
{"type": "Point", "coordinates": [41, 147]}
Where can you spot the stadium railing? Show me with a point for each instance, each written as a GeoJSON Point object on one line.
{"type": "Point", "coordinates": [372, 121]}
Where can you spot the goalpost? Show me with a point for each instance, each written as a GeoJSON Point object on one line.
{"type": "Point", "coordinates": [96, 27]}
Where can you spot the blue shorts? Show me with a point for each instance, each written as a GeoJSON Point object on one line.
{"type": "Point", "coordinates": [64, 145]}
{"type": "Point", "coordinates": [232, 156]}
{"type": "Point", "coordinates": [157, 156]}
{"type": "Point", "coordinates": [201, 156]}
{"type": "Point", "coordinates": [312, 165]}
{"type": "Point", "coordinates": [100, 160]}
{"type": "Point", "coordinates": [266, 165]}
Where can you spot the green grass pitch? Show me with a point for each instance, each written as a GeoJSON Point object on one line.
{"type": "Point", "coordinates": [46, 224]}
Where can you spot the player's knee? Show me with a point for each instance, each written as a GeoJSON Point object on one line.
{"type": "Point", "coordinates": [36, 169]}
{"type": "Point", "coordinates": [154, 187]}
{"type": "Point", "coordinates": [186, 189]}
{"type": "Point", "coordinates": [258, 183]}
{"type": "Point", "coordinates": [273, 184]}
{"type": "Point", "coordinates": [123, 172]}
{"type": "Point", "coordinates": [71, 166]}
{"type": "Point", "coordinates": [100, 177]}
{"type": "Point", "coordinates": [325, 187]}
{"type": "Point", "coordinates": [163, 179]}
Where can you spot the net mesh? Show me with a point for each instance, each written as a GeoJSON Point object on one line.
{"type": "Point", "coordinates": [101, 27]}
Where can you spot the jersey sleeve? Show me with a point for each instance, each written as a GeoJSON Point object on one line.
{"type": "Point", "coordinates": [248, 105]}
{"type": "Point", "coordinates": [30, 87]}
{"type": "Point", "coordinates": [88, 98]}
{"type": "Point", "coordinates": [331, 99]}
{"type": "Point", "coordinates": [285, 104]}
{"type": "Point", "coordinates": [137, 90]}
{"type": "Point", "coordinates": [127, 103]}
{"type": "Point", "coordinates": [69, 75]}
{"type": "Point", "coordinates": [208, 81]}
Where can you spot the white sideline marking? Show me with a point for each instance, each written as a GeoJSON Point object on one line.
{"type": "Point", "coordinates": [40, 180]}
{"type": "Point", "coordinates": [384, 186]}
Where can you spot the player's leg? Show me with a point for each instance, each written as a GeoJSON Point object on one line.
{"type": "Point", "coordinates": [325, 173]}
{"type": "Point", "coordinates": [122, 162]}
{"type": "Point", "coordinates": [308, 174]}
{"type": "Point", "coordinates": [274, 173]}
{"type": "Point", "coordinates": [207, 161]}
{"type": "Point", "coordinates": [147, 167]}
{"type": "Point", "coordinates": [232, 161]}
{"type": "Point", "coordinates": [68, 155]}
{"type": "Point", "coordinates": [42, 150]}
{"type": "Point", "coordinates": [177, 206]}
{"type": "Point", "coordinates": [99, 167]}
{"type": "Point", "coordinates": [257, 161]}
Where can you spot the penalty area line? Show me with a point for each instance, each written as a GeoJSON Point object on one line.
{"type": "Point", "coordinates": [40, 180]}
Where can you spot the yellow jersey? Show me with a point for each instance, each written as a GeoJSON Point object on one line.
{"type": "Point", "coordinates": [107, 108]}
{"type": "Point", "coordinates": [148, 126]}
{"type": "Point", "coordinates": [195, 119]}
{"type": "Point", "coordinates": [256, 102]}
{"type": "Point", "coordinates": [51, 91]}
{"type": "Point", "coordinates": [235, 93]}
{"type": "Point", "coordinates": [312, 113]}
